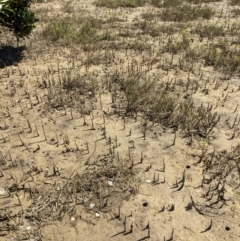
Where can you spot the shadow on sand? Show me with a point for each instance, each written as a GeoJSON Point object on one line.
{"type": "Point", "coordinates": [10, 55]}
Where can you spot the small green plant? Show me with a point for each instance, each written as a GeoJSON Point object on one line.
{"type": "Point", "coordinates": [163, 108]}
{"type": "Point", "coordinates": [183, 44]}
{"type": "Point", "coordinates": [138, 93]}
{"type": "Point", "coordinates": [150, 28]}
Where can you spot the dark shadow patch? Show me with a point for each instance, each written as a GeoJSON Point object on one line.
{"type": "Point", "coordinates": [145, 204]}
{"type": "Point", "coordinates": [147, 237]}
{"type": "Point", "coordinates": [10, 55]}
{"type": "Point", "coordinates": [117, 234]}
{"type": "Point", "coordinates": [227, 228]}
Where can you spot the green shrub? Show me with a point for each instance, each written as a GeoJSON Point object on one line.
{"type": "Point", "coordinates": [222, 57]}
{"type": "Point", "coordinates": [16, 17]}
{"type": "Point", "coordinates": [72, 30]}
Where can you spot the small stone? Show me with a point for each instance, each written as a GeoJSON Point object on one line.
{"type": "Point", "coordinates": [92, 205]}
{"type": "Point", "coordinates": [28, 227]}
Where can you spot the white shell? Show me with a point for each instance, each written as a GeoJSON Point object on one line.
{"type": "Point", "coordinates": [28, 227]}
{"type": "Point", "coordinates": [2, 191]}
{"type": "Point", "coordinates": [92, 205]}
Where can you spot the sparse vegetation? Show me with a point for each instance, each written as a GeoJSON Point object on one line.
{"type": "Point", "coordinates": [185, 13]}
{"type": "Point", "coordinates": [209, 31]}
{"type": "Point", "coordinates": [72, 30]}
{"type": "Point", "coordinates": [166, 3]}
{"type": "Point", "coordinates": [202, 1]}
{"type": "Point", "coordinates": [222, 57]}
{"type": "Point", "coordinates": [235, 2]}
{"type": "Point", "coordinates": [154, 30]}
{"type": "Point", "coordinates": [120, 3]}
